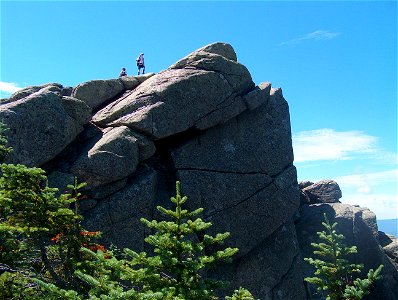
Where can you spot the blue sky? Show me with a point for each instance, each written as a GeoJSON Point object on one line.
{"type": "Point", "coordinates": [335, 61]}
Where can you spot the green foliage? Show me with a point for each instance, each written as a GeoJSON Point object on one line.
{"type": "Point", "coordinates": [180, 258]}
{"type": "Point", "coordinates": [241, 294]}
{"type": "Point", "coordinates": [4, 149]}
{"type": "Point", "coordinates": [334, 273]}
{"type": "Point", "coordinates": [45, 253]}
{"type": "Point", "coordinates": [15, 285]}
{"type": "Point", "coordinates": [176, 270]}
{"type": "Point", "coordinates": [39, 230]}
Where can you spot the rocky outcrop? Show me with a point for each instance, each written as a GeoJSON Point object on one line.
{"type": "Point", "coordinates": [25, 92]}
{"type": "Point", "coordinates": [203, 122]}
{"type": "Point", "coordinates": [359, 227]}
{"type": "Point", "coordinates": [390, 247]}
{"type": "Point", "coordinates": [42, 124]}
{"type": "Point", "coordinates": [200, 91]}
{"type": "Point", "coordinates": [97, 92]}
{"type": "Point", "coordinates": [324, 191]}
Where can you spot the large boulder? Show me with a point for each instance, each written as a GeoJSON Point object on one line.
{"type": "Point", "coordinates": [201, 91]}
{"type": "Point", "coordinates": [42, 124]}
{"type": "Point", "coordinates": [324, 191]}
{"type": "Point", "coordinates": [131, 82]}
{"type": "Point", "coordinates": [219, 58]}
{"type": "Point", "coordinates": [118, 216]}
{"type": "Point", "coordinates": [359, 227]}
{"type": "Point", "coordinates": [272, 270]}
{"type": "Point", "coordinates": [54, 87]}
{"type": "Point", "coordinates": [114, 157]}
{"type": "Point", "coordinates": [96, 92]}
{"type": "Point", "coordinates": [241, 173]}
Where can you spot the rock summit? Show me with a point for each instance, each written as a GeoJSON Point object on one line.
{"type": "Point", "coordinates": [204, 122]}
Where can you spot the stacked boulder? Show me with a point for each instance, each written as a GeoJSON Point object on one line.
{"type": "Point", "coordinates": [203, 122]}
{"type": "Point", "coordinates": [359, 227]}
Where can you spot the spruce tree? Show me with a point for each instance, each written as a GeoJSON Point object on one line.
{"type": "Point", "coordinates": [334, 274]}
{"type": "Point", "coordinates": [40, 232]}
{"type": "Point", "coordinates": [4, 148]}
{"type": "Point", "coordinates": [45, 253]}
{"type": "Point", "coordinates": [180, 259]}
{"type": "Point", "coordinates": [176, 270]}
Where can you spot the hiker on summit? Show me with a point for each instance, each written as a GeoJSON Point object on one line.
{"type": "Point", "coordinates": [123, 72]}
{"type": "Point", "coordinates": [140, 63]}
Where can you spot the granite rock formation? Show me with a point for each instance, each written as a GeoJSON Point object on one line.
{"type": "Point", "coordinates": [359, 227]}
{"type": "Point", "coordinates": [202, 121]}
{"type": "Point", "coordinates": [324, 191]}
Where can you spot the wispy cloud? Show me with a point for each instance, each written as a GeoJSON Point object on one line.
{"type": "Point", "coordinates": [318, 35]}
{"type": "Point", "coordinates": [8, 88]}
{"type": "Point", "coordinates": [328, 144]}
{"type": "Point", "coordinates": [364, 183]}
{"type": "Point", "coordinates": [374, 181]}
{"type": "Point", "coordinates": [383, 205]}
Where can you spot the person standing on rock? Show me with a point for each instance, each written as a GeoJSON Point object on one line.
{"type": "Point", "coordinates": [123, 72]}
{"type": "Point", "coordinates": [140, 63]}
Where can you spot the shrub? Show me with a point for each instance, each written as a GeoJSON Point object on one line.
{"type": "Point", "coordinates": [176, 270]}
{"type": "Point", "coordinates": [45, 253]}
{"type": "Point", "coordinates": [334, 273]}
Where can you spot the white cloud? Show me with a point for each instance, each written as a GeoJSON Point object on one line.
{"type": "Point", "coordinates": [376, 178]}
{"type": "Point", "coordinates": [316, 35]}
{"type": "Point", "coordinates": [364, 183]}
{"type": "Point", "coordinates": [376, 191]}
{"type": "Point", "coordinates": [328, 144]}
{"type": "Point", "coordinates": [8, 88]}
{"type": "Point", "coordinates": [383, 205]}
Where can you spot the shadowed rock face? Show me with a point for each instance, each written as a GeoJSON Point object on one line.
{"type": "Point", "coordinates": [359, 227]}
{"type": "Point", "coordinates": [324, 191]}
{"type": "Point", "coordinates": [203, 122]}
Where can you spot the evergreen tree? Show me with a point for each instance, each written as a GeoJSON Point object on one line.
{"type": "Point", "coordinates": [45, 253]}
{"type": "Point", "coordinates": [180, 258]}
{"type": "Point", "coordinates": [4, 149]}
{"type": "Point", "coordinates": [334, 273]}
{"type": "Point", "coordinates": [40, 232]}
{"type": "Point", "coordinates": [240, 294]}
{"type": "Point", "coordinates": [176, 270]}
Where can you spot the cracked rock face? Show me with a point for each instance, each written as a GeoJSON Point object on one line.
{"type": "Point", "coordinates": [203, 122]}
{"type": "Point", "coordinates": [42, 123]}
{"type": "Point", "coordinates": [358, 225]}
{"type": "Point", "coordinates": [272, 268]}
{"type": "Point", "coordinates": [244, 165]}
{"type": "Point", "coordinates": [324, 191]}
{"type": "Point", "coordinates": [200, 91]}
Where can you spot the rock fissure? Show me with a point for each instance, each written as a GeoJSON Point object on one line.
{"type": "Point", "coordinates": [276, 294]}
{"type": "Point", "coordinates": [223, 171]}
{"type": "Point", "coordinates": [238, 203]}
{"type": "Point", "coordinates": [203, 122]}
{"type": "Point", "coordinates": [113, 101]}
{"type": "Point", "coordinates": [109, 214]}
